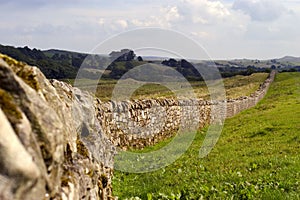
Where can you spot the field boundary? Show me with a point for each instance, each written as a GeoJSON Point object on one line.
{"type": "Point", "coordinates": [118, 119]}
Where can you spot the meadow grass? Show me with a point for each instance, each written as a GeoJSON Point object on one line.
{"type": "Point", "coordinates": [256, 157]}
{"type": "Point", "coordinates": [234, 86]}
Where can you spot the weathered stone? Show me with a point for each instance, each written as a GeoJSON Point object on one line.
{"type": "Point", "coordinates": [42, 152]}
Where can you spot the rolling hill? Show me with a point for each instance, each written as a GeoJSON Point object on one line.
{"type": "Point", "coordinates": [61, 64]}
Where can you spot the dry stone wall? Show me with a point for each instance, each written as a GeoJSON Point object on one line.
{"type": "Point", "coordinates": [235, 106]}
{"type": "Point", "coordinates": [140, 123]}
{"type": "Point", "coordinates": [58, 142]}
{"type": "Point", "coordinates": [42, 152]}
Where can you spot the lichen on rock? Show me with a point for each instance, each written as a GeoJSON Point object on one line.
{"type": "Point", "coordinates": [24, 71]}
{"type": "Point", "coordinates": [42, 153]}
{"type": "Point", "coordinates": [9, 107]}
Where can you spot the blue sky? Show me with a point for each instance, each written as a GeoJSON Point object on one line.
{"type": "Point", "coordinates": [225, 28]}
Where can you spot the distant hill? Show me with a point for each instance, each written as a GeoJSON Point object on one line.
{"type": "Point", "coordinates": [61, 64]}
{"type": "Point", "coordinates": [290, 59]}
{"type": "Point", "coordinates": [54, 64]}
{"type": "Point", "coordinates": [154, 58]}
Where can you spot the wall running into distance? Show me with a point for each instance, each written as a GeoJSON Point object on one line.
{"type": "Point", "coordinates": [140, 123]}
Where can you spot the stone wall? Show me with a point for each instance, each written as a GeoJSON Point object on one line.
{"type": "Point", "coordinates": [42, 152]}
{"type": "Point", "coordinates": [235, 106]}
{"type": "Point", "coordinates": [58, 142]}
{"type": "Point", "coordinates": [140, 123]}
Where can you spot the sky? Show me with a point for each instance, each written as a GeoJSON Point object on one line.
{"type": "Point", "coordinates": [226, 29]}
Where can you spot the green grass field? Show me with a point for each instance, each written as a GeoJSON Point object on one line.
{"type": "Point", "coordinates": [256, 157]}
{"type": "Point", "coordinates": [235, 87]}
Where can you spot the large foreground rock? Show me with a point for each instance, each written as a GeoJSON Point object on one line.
{"type": "Point", "coordinates": [42, 152]}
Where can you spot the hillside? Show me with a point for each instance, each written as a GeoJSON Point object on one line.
{"type": "Point", "coordinates": [290, 59]}
{"type": "Point", "coordinates": [235, 87]}
{"type": "Point", "coordinates": [60, 64]}
{"type": "Point", "coordinates": [256, 157]}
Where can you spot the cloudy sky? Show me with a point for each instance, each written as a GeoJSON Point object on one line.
{"type": "Point", "coordinates": [225, 28]}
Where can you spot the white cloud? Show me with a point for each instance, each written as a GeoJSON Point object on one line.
{"type": "Point", "coordinates": [171, 14]}
{"type": "Point", "coordinates": [199, 19]}
{"type": "Point", "coordinates": [202, 34]}
{"type": "Point", "coordinates": [227, 28]}
{"type": "Point", "coordinates": [166, 18]}
{"type": "Point", "coordinates": [207, 9]}
{"type": "Point", "coordinates": [262, 10]}
{"type": "Point", "coordinates": [138, 23]}
{"type": "Point", "coordinates": [122, 23]}
{"type": "Point", "coordinates": [101, 21]}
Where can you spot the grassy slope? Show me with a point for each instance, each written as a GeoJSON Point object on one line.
{"type": "Point", "coordinates": [256, 157]}
{"type": "Point", "coordinates": [235, 87]}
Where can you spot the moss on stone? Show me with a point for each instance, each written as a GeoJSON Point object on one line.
{"type": "Point", "coordinates": [90, 173]}
{"type": "Point", "coordinates": [23, 71]}
{"type": "Point", "coordinates": [103, 181]}
{"type": "Point", "coordinates": [29, 78]}
{"type": "Point", "coordinates": [66, 178]}
{"type": "Point", "coordinates": [81, 149]}
{"type": "Point", "coordinates": [12, 62]}
{"type": "Point", "coordinates": [9, 107]}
